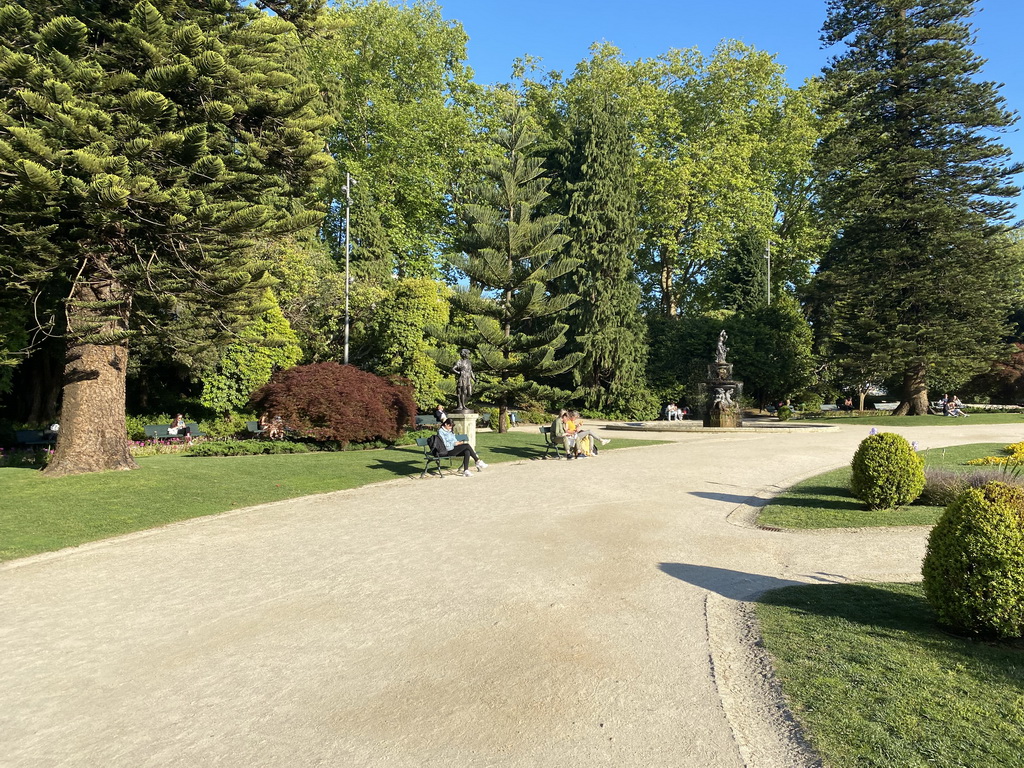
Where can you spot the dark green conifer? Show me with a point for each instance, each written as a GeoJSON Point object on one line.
{"type": "Point", "coordinates": [512, 257]}
{"type": "Point", "coordinates": [602, 228]}
{"type": "Point", "coordinates": [141, 148]}
{"type": "Point", "coordinates": [919, 275]}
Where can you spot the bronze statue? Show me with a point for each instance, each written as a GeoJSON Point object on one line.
{"type": "Point", "coordinates": [463, 370]}
{"type": "Point", "coordinates": [722, 350]}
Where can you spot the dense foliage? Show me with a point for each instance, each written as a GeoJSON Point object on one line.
{"type": "Point", "coordinates": [229, 188]}
{"type": "Point", "coordinates": [887, 472]}
{"type": "Point", "coordinates": [328, 401]}
{"type": "Point", "coordinates": [140, 150]}
{"type": "Point", "coordinates": [974, 568]}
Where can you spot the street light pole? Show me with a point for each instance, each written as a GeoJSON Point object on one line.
{"type": "Point", "coordinates": [768, 280]}
{"type": "Point", "coordinates": [349, 181]}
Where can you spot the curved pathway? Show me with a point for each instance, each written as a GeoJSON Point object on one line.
{"type": "Point", "coordinates": [537, 614]}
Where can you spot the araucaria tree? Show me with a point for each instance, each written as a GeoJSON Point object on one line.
{"type": "Point", "coordinates": [512, 256]}
{"type": "Point", "coordinates": [141, 146]}
{"type": "Point", "coordinates": [602, 228]}
{"type": "Point", "coordinates": [919, 276]}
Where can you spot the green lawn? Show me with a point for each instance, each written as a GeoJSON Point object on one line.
{"type": "Point", "coordinates": [825, 501]}
{"type": "Point", "coordinates": [883, 419]}
{"type": "Point", "coordinates": [39, 514]}
{"type": "Point", "coordinates": [876, 684]}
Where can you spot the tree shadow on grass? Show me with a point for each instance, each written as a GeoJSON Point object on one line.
{"type": "Point", "coordinates": [818, 497]}
{"type": "Point", "coordinates": [400, 466]}
{"type": "Point", "coordinates": [518, 451]}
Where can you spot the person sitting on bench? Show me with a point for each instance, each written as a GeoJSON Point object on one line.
{"type": "Point", "coordinates": [586, 441]}
{"type": "Point", "coordinates": [179, 428]}
{"type": "Point", "coordinates": [561, 433]}
{"type": "Point", "coordinates": [448, 445]}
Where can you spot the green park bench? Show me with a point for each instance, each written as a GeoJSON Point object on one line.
{"type": "Point", "coordinates": [429, 457]}
{"type": "Point", "coordinates": [550, 443]}
{"type": "Point", "coordinates": [159, 431]}
{"type": "Point", "coordinates": [35, 437]}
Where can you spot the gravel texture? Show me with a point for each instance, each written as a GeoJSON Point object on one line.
{"type": "Point", "coordinates": [542, 613]}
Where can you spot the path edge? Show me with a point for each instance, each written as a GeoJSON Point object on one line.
{"type": "Point", "coordinates": [763, 727]}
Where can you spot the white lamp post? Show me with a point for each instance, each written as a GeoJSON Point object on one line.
{"type": "Point", "coordinates": [768, 280]}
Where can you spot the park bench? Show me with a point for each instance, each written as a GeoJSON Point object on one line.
{"type": "Point", "coordinates": [425, 420]}
{"type": "Point", "coordinates": [485, 420]}
{"type": "Point", "coordinates": [826, 407]}
{"type": "Point", "coordinates": [159, 431]}
{"type": "Point", "coordinates": [254, 427]}
{"type": "Point", "coordinates": [550, 443]}
{"type": "Point", "coordinates": [35, 437]}
{"type": "Point", "coordinates": [429, 457]}
{"type": "Point", "coordinates": [886, 406]}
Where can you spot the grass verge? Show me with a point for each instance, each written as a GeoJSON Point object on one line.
{"type": "Point", "coordinates": [825, 501]}
{"type": "Point", "coordinates": [40, 514]}
{"type": "Point", "coordinates": [876, 684]}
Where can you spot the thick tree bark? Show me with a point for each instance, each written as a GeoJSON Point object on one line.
{"type": "Point", "coordinates": [92, 435]}
{"type": "Point", "coordinates": [915, 392]}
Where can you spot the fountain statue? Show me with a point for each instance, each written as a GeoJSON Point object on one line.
{"type": "Point", "coordinates": [722, 404]}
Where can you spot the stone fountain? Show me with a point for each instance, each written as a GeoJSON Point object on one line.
{"type": "Point", "coordinates": [722, 400]}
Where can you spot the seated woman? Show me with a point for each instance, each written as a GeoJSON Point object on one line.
{"type": "Point", "coordinates": [586, 441]}
{"type": "Point", "coordinates": [179, 428]}
{"type": "Point", "coordinates": [956, 407]}
{"type": "Point", "coordinates": [450, 446]}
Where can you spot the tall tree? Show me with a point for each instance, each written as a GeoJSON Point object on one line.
{"type": "Point", "coordinates": [140, 148]}
{"type": "Point", "coordinates": [606, 325]}
{"type": "Point", "coordinates": [512, 256]}
{"type": "Point", "coordinates": [918, 188]}
{"type": "Point", "coordinates": [397, 80]}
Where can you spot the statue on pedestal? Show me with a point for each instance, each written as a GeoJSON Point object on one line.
{"type": "Point", "coordinates": [464, 378]}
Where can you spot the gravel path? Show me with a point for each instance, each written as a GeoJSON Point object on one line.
{"type": "Point", "coordinates": [586, 613]}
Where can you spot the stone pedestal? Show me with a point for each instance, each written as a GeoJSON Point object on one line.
{"type": "Point", "coordinates": [722, 404]}
{"type": "Point", "coordinates": [465, 424]}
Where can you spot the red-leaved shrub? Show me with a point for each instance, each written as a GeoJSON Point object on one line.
{"type": "Point", "coordinates": [327, 401]}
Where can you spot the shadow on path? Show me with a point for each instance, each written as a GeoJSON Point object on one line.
{"type": "Point", "coordinates": [732, 498]}
{"type": "Point", "coordinates": [735, 585]}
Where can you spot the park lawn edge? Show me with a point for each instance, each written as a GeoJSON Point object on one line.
{"type": "Point", "coordinates": [875, 682]}
{"type": "Point", "coordinates": [824, 500]}
{"type": "Point", "coordinates": [42, 514]}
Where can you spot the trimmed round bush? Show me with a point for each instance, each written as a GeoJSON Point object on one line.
{"type": "Point", "coordinates": [974, 567]}
{"type": "Point", "coordinates": [328, 401]}
{"type": "Point", "coordinates": [887, 472]}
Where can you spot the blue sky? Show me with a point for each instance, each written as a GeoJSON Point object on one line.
{"type": "Point", "coordinates": [561, 32]}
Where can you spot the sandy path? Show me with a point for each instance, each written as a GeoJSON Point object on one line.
{"type": "Point", "coordinates": [582, 613]}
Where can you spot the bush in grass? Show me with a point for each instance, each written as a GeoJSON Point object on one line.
{"type": "Point", "coordinates": [246, 448]}
{"type": "Point", "coordinates": [785, 413]}
{"type": "Point", "coordinates": [974, 567]}
{"type": "Point", "coordinates": [328, 401]}
{"type": "Point", "coordinates": [887, 472]}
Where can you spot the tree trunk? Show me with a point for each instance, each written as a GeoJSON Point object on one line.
{"type": "Point", "coordinates": [503, 417]}
{"type": "Point", "coordinates": [915, 392]}
{"type": "Point", "coordinates": [92, 435]}
{"type": "Point", "coordinates": [861, 394]}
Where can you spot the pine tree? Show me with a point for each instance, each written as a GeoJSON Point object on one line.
{"type": "Point", "coordinates": [141, 147]}
{"type": "Point", "coordinates": [602, 227]}
{"type": "Point", "coordinates": [512, 256]}
{"type": "Point", "coordinates": [918, 275]}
